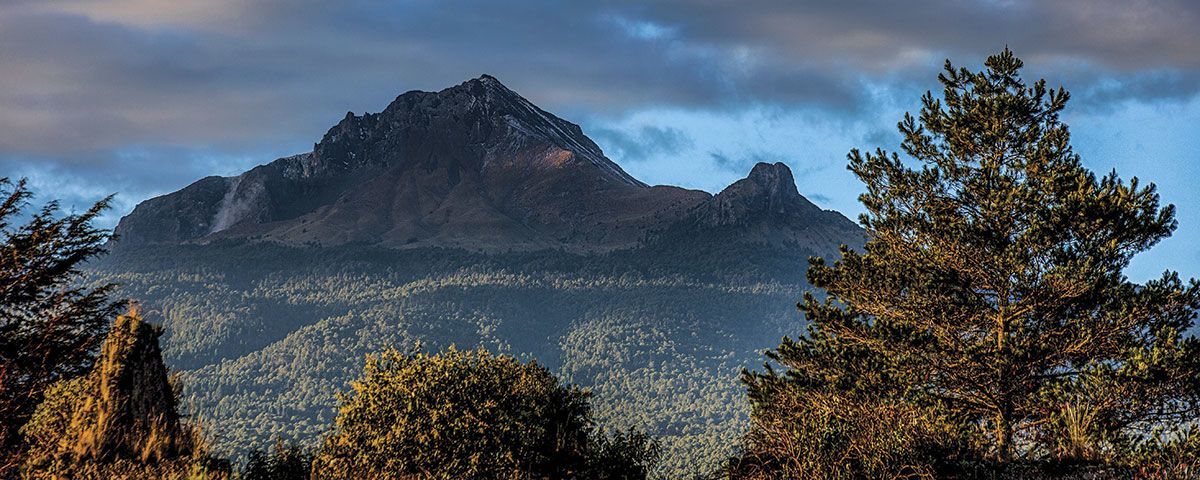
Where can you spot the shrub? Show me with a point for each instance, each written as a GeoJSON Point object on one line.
{"type": "Point", "coordinates": [471, 414]}
{"type": "Point", "coordinates": [834, 435]}
{"type": "Point", "coordinates": [120, 420]}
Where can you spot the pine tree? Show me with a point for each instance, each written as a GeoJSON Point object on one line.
{"type": "Point", "coordinates": [50, 325]}
{"type": "Point", "coordinates": [284, 462]}
{"type": "Point", "coordinates": [991, 289]}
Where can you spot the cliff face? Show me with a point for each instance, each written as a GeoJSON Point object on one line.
{"type": "Point", "coordinates": [474, 166]}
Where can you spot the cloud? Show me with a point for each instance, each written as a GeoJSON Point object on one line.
{"type": "Point", "coordinates": [132, 174]}
{"type": "Point", "coordinates": [185, 88]}
{"type": "Point", "coordinates": [642, 144]}
{"type": "Point", "coordinates": [742, 162]}
{"type": "Point", "coordinates": [105, 73]}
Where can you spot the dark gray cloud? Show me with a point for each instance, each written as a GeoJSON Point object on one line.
{"type": "Point", "coordinates": [106, 73]}
{"type": "Point", "coordinates": [199, 86]}
{"type": "Point", "coordinates": [880, 35]}
{"type": "Point", "coordinates": [742, 162]}
{"type": "Point", "coordinates": [642, 144]}
{"type": "Point", "coordinates": [730, 163]}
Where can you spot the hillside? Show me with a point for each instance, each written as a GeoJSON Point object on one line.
{"type": "Point", "coordinates": [470, 216]}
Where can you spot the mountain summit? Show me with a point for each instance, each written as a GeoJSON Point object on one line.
{"type": "Point", "coordinates": [473, 166]}
{"type": "Point", "coordinates": [769, 191]}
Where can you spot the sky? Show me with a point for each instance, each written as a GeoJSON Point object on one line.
{"type": "Point", "coordinates": [142, 97]}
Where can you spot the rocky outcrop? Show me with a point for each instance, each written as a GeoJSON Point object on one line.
{"type": "Point", "coordinates": [768, 192]}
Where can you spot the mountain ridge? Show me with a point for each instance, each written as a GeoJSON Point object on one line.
{"type": "Point", "coordinates": [473, 166]}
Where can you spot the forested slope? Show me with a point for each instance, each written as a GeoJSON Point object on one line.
{"type": "Point", "coordinates": [266, 334]}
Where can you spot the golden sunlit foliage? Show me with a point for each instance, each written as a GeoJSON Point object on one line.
{"type": "Point", "coordinates": [118, 421]}
{"type": "Point", "coordinates": [471, 414]}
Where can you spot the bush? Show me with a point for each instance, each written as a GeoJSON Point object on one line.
{"type": "Point", "coordinates": [1165, 455]}
{"type": "Point", "coordinates": [470, 414]}
{"type": "Point", "coordinates": [120, 420]}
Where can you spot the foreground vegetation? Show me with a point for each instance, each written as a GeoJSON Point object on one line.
{"type": "Point", "coordinates": [987, 326]}
{"type": "Point", "coordinates": [470, 414]}
{"type": "Point", "coordinates": [986, 330]}
{"type": "Point", "coordinates": [120, 420]}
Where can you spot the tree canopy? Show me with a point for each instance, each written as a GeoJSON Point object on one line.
{"type": "Point", "coordinates": [471, 414]}
{"type": "Point", "coordinates": [991, 290]}
{"type": "Point", "coordinates": [50, 324]}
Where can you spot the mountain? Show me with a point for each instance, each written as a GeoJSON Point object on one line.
{"type": "Point", "coordinates": [474, 166]}
{"type": "Point", "coordinates": [765, 207]}
{"type": "Point", "coordinates": [471, 217]}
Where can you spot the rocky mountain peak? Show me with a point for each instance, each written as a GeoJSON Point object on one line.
{"type": "Point", "coordinates": [774, 180]}
{"type": "Point", "coordinates": [767, 196]}
{"type": "Point", "coordinates": [768, 189]}
{"type": "Point", "coordinates": [489, 119]}
{"type": "Point", "coordinates": [472, 166]}
{"type": "Point", "coordinates": [488, 85]}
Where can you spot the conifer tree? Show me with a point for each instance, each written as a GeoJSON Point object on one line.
{"type": "Point", "coordinates": [50, 324]}
{"type": "Point", "coordinates": [991, 288]}
{"type": "Point", "coordinates": [284, 462]}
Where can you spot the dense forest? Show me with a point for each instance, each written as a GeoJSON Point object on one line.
{"type": "Point", "coordinates": [659, 346]}
{"type": "Point", "coordinates": [984, 330]}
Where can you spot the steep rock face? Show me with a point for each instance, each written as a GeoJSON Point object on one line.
{"type": "Point", "coordinates": [474, 166]}
{"type": "Point", "coordinates": [182, 215]}
{"type": "Point", "coordinates": [765, 207]}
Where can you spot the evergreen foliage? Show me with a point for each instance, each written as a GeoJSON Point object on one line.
{"type": "Point", "coordinates": [471, 414]}
{"type": "Point", "coordinates": [49, 326]}
{"type": "Point", "coordinates": [120, 420]}
{"type": "Point", "coordinates": [991, 292]}
{"type": "Point", "coordinates": [284, 462]}
{"type": "Point", "coordinates": [265, 334]}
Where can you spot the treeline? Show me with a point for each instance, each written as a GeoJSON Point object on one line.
{"type": "Point", "coordinates": [986, 330]}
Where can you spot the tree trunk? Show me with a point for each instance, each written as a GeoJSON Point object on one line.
{"type": "Point", "coordinates": [1004, 434]}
